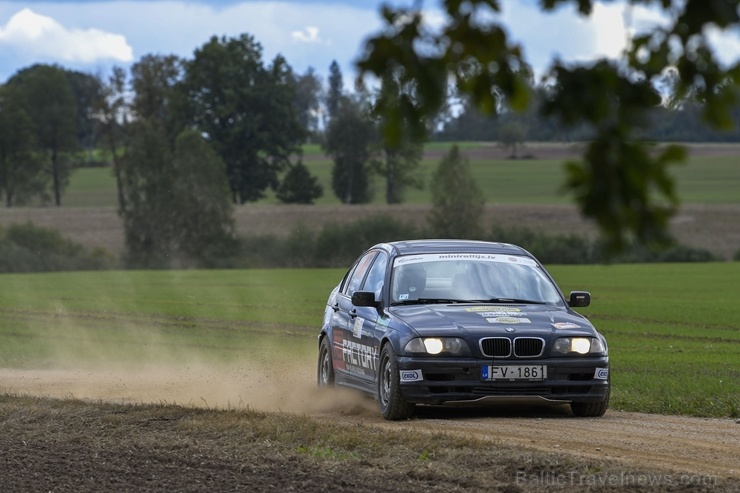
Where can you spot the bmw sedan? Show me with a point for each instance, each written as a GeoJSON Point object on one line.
{"type": "Point", "coordinates": [433, 322]}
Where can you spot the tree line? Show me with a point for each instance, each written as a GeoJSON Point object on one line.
{"type": "Point", "coordinates": [254, 115]}
{"type": "Point", "coordinates": [189, 139]}
{"type": "Point", "coordinates": [670, 121]}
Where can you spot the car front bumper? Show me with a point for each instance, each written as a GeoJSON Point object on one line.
{"type": "Point", "coordinates": [448, 380]}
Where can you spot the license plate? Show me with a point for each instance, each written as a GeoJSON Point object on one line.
{"type": "Point", "coordinates": [512, 373]}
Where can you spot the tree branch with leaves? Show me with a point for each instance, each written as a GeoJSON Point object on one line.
{"type": "Point", "coordinates": [621, 182]}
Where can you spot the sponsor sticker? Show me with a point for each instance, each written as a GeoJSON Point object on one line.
{"type": "Point", "coordinates": [566, 325]}
{"type": "Point", "coordinates": [507, 309]}
{"type": "Point", "coordinates": [508, 320]}
{"type": "Point", "coordinates": [359, 356]}
{"type": "Point", "coordinates": [357, 329]}
{"type": "Point", "coordinates": [410, 375]}
{"type": "Point", "coordinates": [480, 257]}
{"type": "Point", "coordinates": [501, 313]}
{"type": "Point", "coordinates": [601, 373]}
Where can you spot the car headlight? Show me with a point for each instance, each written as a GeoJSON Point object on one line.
{"type": "Point", "coordinates": [437, 345]}
{"type": "Point", "coordinates": [579, 345]}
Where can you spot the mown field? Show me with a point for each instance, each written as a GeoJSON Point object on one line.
{"type": "Point", "coordinates": [710, 175]}
{"type": "Point", "coordinates": [672, 329]}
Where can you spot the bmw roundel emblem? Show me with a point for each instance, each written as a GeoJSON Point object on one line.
{"type": "Point", "coordinates": [510, 329]}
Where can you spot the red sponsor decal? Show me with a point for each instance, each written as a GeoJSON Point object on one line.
{"type": "Point", "coordinates": [337, 356]}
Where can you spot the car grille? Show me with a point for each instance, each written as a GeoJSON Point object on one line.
{"type": "Point", "coordinates": [528, 347]}
{"type": "Point", "coordinates": [496, 347]}
{"type": "Point", "coordinates": [501, 347]}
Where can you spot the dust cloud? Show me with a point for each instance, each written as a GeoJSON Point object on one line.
{"type": "Point", "coordinates": [259, 372]}
{"type": "Point", "coordinates": [282, 388]}
{"type": "Point", "coordinates": [112, 354]}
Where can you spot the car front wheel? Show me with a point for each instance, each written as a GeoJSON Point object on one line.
{"type": "Point", "coordinates": [325, 373]}
{"type": "Point", "coordinates": [392, 404]}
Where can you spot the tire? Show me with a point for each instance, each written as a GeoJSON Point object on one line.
{"type": "Point", "coordinates": [392, 405]}
{"type": "Point", "coordinates": [590, 409]}
{"type": "Point", "coordinates": [325, 371]}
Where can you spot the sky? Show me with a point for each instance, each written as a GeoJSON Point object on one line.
{"type": "Point", "coordinates": [92, 36]}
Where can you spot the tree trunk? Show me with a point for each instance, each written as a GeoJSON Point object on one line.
{"type": "Point", "coordinates": [55, 179]}
{"type": "Point", "coordinates": [390, 185]}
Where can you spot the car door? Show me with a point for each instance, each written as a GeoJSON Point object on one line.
{"type": "Point", "coordinates": [370, 324]}
{"type": "Point", "coordinates": [352, 354]}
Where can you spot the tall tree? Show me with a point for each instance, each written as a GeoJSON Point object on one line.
{"type": "Point", "coordinates": [112, 117]}
{"type": "Point", "coordinates": [245, 110]}
{"type": "Point", "coordinates": [307, 101]}
{"type": "Point", "coordinates": [155, 80]}
{"type": "Point", "coordinates": [349, 140]}
{"type": "Point", "coordinates": [457, 201]}
{"type": "Point", "coordinates": [399, 165]}
{"type": "Point", "coordinates": [87, 91]}
{"type": "Point", "coordinates": [47, 96]}
{"type": "Point", "coordinates": [150, 233]}
{"type": "Point", "coordinates": [335, 92]}
{"type": "Point", "coordinates": [619, 183]}
{"type": "Point", "coordinates": [178, 210]}
{"type": "Point", "coordinates": [204, 215]}
{"type": "Point", "coordinates": [20, 167]}
{"type": "Point", "coordinates": [400, 169]}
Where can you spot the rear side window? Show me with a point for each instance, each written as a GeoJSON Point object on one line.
{"type": "Point", "coordinates": [376, 276]}
{"type": "Point", "coordinates": [358, 274]}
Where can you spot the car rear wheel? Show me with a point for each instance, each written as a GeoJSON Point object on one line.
{"type": "Point", "coordinates": [325, 373]}
{"type": "Point", "coordinates": [392, 404]}
{"type": "Point", "coordinates": [590, 409]}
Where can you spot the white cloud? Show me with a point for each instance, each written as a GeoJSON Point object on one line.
{"type": "Point", "coordinates": [611, 35]}
{"type": "Point", "coordinates": [42, 37]}
{"type": "Point", "coordinates": [310, 34]}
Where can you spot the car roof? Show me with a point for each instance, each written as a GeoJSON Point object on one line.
{"type": "Point", "coordinates": [414, 247]}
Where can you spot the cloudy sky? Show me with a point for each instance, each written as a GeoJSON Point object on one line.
{"type": "Point", "coordinates": [93, 35]}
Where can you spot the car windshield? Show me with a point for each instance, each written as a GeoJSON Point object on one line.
{"type": "Point", "coordinates": [450, 278]}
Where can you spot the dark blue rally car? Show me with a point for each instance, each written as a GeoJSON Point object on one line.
{"type": "Point", "coordinates": [460, 322]}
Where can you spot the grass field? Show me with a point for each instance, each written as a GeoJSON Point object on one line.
{"type": "Point", "coordinates": [673, 333]}
{"type": "Point", "coordinates": [707, 177]}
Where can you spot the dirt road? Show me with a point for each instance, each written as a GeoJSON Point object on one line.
{"type": "Point", "coordinates": [697, 447]}
{"type": "Point", "coordinates": [693, 448]}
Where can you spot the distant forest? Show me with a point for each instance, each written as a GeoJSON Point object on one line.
{"type": "Point", "coordinates": [683, 123]}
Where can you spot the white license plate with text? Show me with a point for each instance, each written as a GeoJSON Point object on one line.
{"type": "Point", "coordinates": [511, 373]}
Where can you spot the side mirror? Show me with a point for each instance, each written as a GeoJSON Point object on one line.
{"type": "Point", "coordinates": [579, 299]}
{"type": "Point", "coordinates": [364, 298]}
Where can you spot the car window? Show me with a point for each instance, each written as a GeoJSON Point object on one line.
{"type": "Point", "coordinates": [355, 280]}
{"type": "Point", "coordinates": [376, 276]}
{"type": "Point", "coordinates": [470, 277]}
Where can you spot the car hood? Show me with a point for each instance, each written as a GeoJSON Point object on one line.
{"type": "Point", "coordinates": [477, 320]}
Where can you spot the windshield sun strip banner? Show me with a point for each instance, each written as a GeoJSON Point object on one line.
{"type": "Point", "coordinates": [479, 257]}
